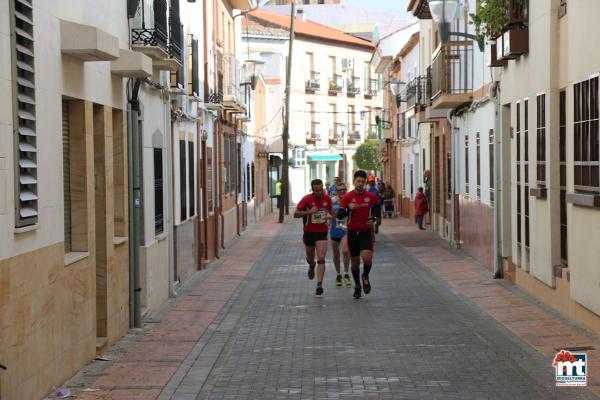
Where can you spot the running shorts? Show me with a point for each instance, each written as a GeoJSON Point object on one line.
{"type": "Point", "coordinates": [311, 238]}
{"type": "Point", "coordinates": [359, 241]}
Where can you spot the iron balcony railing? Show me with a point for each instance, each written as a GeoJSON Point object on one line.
{"type": "Point", "coordinates": [336, 83]}
{"type": "Point", "coordinates": [452, 69]}
{"type": "Point", "coordinates": [215, 95]}
{"type": "Point", "coordinates": [354, 134]}
{"type": "Point", "coordinates": [313, 82]}
{"type": "Point", "coordinates": [371, 87]}
{"type": "Point", "coordinates": [233, 77]}
{"type": "Point", "coordinates": [313, 133]}
{"type": "Point", "coordinates": [416, 91]}
{"type": "Point", "coordinates": [353, 86]}
{"type": "Point", "coordinates": [152, 31]}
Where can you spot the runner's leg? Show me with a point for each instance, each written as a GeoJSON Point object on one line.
{"type": "Point", "coordinates": [321, 253]}
{"type": "Point", "coordinates": [310, 259]}
{"type": "Point", "coordinates": [335, 247]}
{"type": "Point", "coordinates": [346, 254]}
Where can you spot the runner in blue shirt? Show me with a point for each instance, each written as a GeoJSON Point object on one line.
{"type": "Point", "coordinates": [376, 209]}
{"type": "Point", "coordinates": [338, 237]}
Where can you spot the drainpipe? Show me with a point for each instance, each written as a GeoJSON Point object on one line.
{"type": "Point", "coordinates": [498, 272]}
{"type": "Point", "coordinates": [170, 191]}
{"type": "Point", "coordinates": [134, 150]}
{"type": "Point", "coordinates": [453, 209]}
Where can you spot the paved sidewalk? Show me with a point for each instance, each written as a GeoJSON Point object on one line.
{"type": "Point", "coordinates": [434, 327]}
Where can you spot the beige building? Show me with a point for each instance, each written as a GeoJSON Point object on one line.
{"type": "Point", "coordinates": [331, 105]}
{"type": "Point", "coordinates": [64, 264]}
{"type": "Point", "coordinates": [551, 115]}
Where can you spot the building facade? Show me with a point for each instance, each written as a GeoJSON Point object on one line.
{"type": "Point", "coordinates": [331, 105]}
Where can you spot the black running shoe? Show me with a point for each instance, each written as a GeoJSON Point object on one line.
{"type": "Point", "coordinates": [357, 292]}
{"type": "Point", "coordinates": [311, 272]}
{"type": "Point", "coordinates": [366, 284]}
{"type": "Point", "coordinates": [319, 290]}
{"type": "Point", "coordinates": [338, 280]}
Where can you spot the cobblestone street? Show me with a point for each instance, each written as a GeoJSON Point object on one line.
{"type": "Point", "coordinates": [420, 334]}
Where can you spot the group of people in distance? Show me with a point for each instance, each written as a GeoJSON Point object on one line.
{"type": "Point", "coordinates": [355, 217]}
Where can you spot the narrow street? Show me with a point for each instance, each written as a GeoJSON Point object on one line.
{"type": "Point", "coordinates": [420, 334]}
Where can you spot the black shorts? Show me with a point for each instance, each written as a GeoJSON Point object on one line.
{"type": "Point", "coordinates": [359, 241]}
{"type": "Point", "coordinates": [311, 238]}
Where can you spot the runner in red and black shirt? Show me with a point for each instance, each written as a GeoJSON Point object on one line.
{"type": "Point", "coordinates": [358, 204]}
{"type": "Point", "coordinates": [314, 209]}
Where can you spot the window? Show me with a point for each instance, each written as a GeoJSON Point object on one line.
{"type": "Point", "coordinates": [24, 115]}
{"type": "Point", "coordinates": [586, 141]}
{"type": "Point", "coordinates": [403, 177]}
{"type": "Point", "coordinates": [238, 167]}
{"type": "Point", "coordinates": [491, 161]}
{"type": "Point", "coordinates": [227, 160]}
{"type": "Point", "coordinates": [209, 180]}
{"type": "Point", "coordinates": [437, 171]}
{"type": "Point", "coordinates": [194, 84]}
{"type": "Point", "coordinates": [526, 168]}
{"type": "Point", "coordinates": [119, 173]}
{"type": "Point", "coordinates": [563, 175]}
{"type": "Point", "coordinates": [478, 165]}
{"type": "Point", "coordinates": [66, 141]}
{"type": "Point", "coordinates": [253, 180]}
{"type": "Point", "coordinates": [518, 158]}
{"type": "Point", "coordinates": [541, 140]}
{"type": "Point", "coordinates": [191, 180]}
{"type": "Point", "coordinates": [159, 222]}
{"type": "Point", "coordinates": [412, 180]}
{"type": "Point", "coordinates": [182, 181]}
{"type": "Point", "coordinates": [466, 164]}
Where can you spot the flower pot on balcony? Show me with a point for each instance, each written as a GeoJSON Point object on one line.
{"type": "Point", "coordinates": [493, 58]}
{"type": "Point", "coordinates": [515, 42]}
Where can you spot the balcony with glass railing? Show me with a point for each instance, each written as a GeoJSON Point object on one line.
{"type": "Point", "coordinates": [157, 32]}
{"type": "Point", "coordinates": [313, 82]}
{"type": "Point", "coordinates": [452, 75]}
{"type": "Point", "coordinates": [312, 134]}
{"type": "Point", "coordinates": [353, 87]}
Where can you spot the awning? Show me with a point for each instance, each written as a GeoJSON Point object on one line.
{"type": "Point", "coordinates": [324, 157]}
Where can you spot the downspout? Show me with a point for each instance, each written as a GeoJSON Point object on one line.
{"type": "Point", "coordinates": [170, 192]}
{"type": "Point", "coordinates": [498, 271]}
{"type": "Point", "coordinates": [453, 209]}
{"type": "Point", "coordinates": [135, 204]}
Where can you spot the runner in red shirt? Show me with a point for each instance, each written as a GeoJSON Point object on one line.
{"type": "Point", "coordinates": [358, 204]}
{"type": "Point", "coordinates": [314, 209]}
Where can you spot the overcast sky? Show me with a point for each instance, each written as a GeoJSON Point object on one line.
{"type": "Point", "coordinates": [396, 6]}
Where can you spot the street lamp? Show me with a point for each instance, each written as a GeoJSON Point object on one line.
{"type": "Point", "coordinates": [443, 12]}
{"type": "Point", "coordinates": [255, 67]}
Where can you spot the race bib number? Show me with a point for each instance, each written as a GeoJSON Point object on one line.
{"type": "Point", "coordinates": [320, 217]}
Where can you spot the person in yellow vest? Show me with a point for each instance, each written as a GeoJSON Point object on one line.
{"type": "Point", "coordinates": [278, 185]}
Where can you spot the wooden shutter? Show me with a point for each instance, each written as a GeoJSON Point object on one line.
{"type": "Point", "coordinates": [66, 142]}
{"type": "Point", "coordinates": [194, 77]}
{"type": "Point", "coordinates": [24, 116]}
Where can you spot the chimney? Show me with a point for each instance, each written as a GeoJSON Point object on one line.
{"type": "Point", "coordinates": [300, 15]}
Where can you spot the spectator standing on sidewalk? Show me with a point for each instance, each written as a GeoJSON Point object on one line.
{"type": "Point", "coordinates": [388, 201]}
{"type": "Point", "coordinates": [421, 207]}
{"type": "Point", "coordinates": [371, 181]}
{"type": "Point", "coordinates": [278, 185]}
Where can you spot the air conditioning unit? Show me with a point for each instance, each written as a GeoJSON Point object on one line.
{"type": "Point", "coordinates": [347, 64]}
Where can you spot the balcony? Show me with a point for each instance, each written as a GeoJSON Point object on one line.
{"type": "Point", "coordinates": [336, 84]}
{"type": "Point", "coordinates": [373, 133]}
{"type": "Point", "coordinates": [354, 135]}
{"type": "Point", "coordinates": [313, 135]}
{"type": "Point", "coordinates": [416, 93]}
{"type": "Point", "coordinates": [214, 97]}
{"type": "Point", "coordinates": [154, 37]}
{"type": "Point", "coordinates": [233, 99]}
{"type": "Point", "coordinates": [313, 83]}
{"type": "Point", "coordinates": [353, 87]}
{"type": "Point", "coordinates": [452, 75]}
{"type": "Point", "coordinates": [336, 133]}
{"type": "Point", "coordinates": [371, 88]}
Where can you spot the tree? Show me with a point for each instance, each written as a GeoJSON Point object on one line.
{"type": "Point", "coordinates": [368, 155]}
